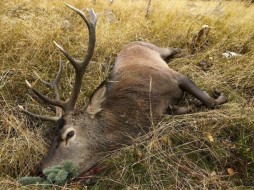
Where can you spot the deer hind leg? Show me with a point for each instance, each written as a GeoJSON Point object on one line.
{"type": "Point", "coordinates": [188, 86]}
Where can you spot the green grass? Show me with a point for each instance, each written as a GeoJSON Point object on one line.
{"type": "Point", "coordinates": [193, 151]}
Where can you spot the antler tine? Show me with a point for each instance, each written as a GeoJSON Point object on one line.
{"type": "Point", "coordinates": [46, 98]}
{"type": "Point", "coordinates": [47, 118]}
{"type": "Point", "coordinates": [80, 67]}
{"type": "Point", "coordinates": [92, 14]}
{"type": "Point", "coordinates": [48, 84]}
{"type": "Point", "coordinates": [55, 83]}
{"type": "Point", "coordinates": [56, 102]}
{"type": "Point", "coordinates": [54, 86]}
{"type": "Point", "coordinates": [72, 61]}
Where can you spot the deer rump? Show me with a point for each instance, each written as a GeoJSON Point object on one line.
{"type": "Point", "coordinates": [141, 88]}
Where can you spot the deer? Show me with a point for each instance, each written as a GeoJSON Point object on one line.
{"type": "Point", "coordinates": [140, 90]}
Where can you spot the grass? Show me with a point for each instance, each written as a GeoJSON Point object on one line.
{"type": "Point", "coordinates": [209, 149]}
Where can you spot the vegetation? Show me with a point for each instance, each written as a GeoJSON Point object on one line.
{"type": "Point", "coordinates": [58, 175]}
{"type": "Point", "coordinates": [208, 149]}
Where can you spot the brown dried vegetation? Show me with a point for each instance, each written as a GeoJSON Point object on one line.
{"type": "Point", "coordinates": [209, 149]}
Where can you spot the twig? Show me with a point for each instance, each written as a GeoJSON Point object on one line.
{"type": "Point", "coordinates": [148, 9]}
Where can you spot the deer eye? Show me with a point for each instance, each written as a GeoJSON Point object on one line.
{"type": "Point", "coordinates": [69, 135]}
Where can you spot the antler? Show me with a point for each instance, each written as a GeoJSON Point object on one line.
{"type": "Point", "coordinates": [79, 68]}
{"type": "Point", "coordinates": [54, 86]}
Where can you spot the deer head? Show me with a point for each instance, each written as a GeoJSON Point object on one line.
{"type": "Point", "coordinates": [74, 139]}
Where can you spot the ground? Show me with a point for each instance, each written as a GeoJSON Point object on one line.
{"type": "Point", "coordinates": [207, 149]}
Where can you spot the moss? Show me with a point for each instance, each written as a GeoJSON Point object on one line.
{"type": "Point", "coordinates": [30, 180]}
{"type": "Point", "coordinates": [57, 175]}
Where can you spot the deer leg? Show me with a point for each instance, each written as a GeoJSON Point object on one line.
{"type": "Point", "coordinates": [177, 110]}
{"type": "Point", "coordinates": [188, 86]}
{"type": "Point", "coordinates": [165, 53]}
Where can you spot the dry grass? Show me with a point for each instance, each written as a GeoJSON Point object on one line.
{"type": "Point", "coordinates": [210, 149]}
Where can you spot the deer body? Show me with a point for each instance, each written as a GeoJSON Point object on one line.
{"type": "Point", "coordinates": [141, 88]}
{"type": "Point", "coordinates": [141, 79]}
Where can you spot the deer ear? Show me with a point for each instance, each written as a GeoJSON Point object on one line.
{"type": "Point", "coordinates": [96, 100]}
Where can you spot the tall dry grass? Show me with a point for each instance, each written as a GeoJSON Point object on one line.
{"type": "Point", "coordinates": [209, 149]}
